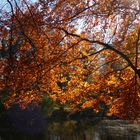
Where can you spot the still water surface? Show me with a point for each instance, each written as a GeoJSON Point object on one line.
{"type": "Point", "coordinates": [68, 130]}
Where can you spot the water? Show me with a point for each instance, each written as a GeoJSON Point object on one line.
{"type": "Point", "coordinates": [72, 130]}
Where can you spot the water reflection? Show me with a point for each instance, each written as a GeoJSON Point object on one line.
{"type": "Point", "coordinates": [73, 130]}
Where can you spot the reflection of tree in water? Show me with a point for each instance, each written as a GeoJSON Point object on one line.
{"type": "Point", "coordinates": [71, 130]}
{"type": "Point", "coordinates": [65, 130]}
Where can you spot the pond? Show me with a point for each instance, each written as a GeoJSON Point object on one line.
{"type": "Point", "coordinates": [73, 130]}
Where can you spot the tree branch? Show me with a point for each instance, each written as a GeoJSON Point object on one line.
{"type": "Point", "coordinates": [107, 46]}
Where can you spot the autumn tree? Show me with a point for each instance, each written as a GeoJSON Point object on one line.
{"type": "Point", "coordinates": [80, 53]}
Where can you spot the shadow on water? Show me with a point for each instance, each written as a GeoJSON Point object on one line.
{"type": "Point", "coordinates": [29, 124]}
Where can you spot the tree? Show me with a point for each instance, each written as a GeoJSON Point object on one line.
{"type": "Point", "coordinates": [80, 53]}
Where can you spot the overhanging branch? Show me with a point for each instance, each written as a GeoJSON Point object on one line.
{"type": "Point", "coordinates": [107, 46]}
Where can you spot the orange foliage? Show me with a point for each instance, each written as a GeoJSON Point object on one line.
{"type": "Point", "coordinates": [80, 53]}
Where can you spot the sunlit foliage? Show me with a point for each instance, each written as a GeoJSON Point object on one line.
{"type": "Point", "coordinates": [80, 53]}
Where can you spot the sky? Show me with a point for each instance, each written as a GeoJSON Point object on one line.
{"type": "Point", "coordinates": [5, 6]}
